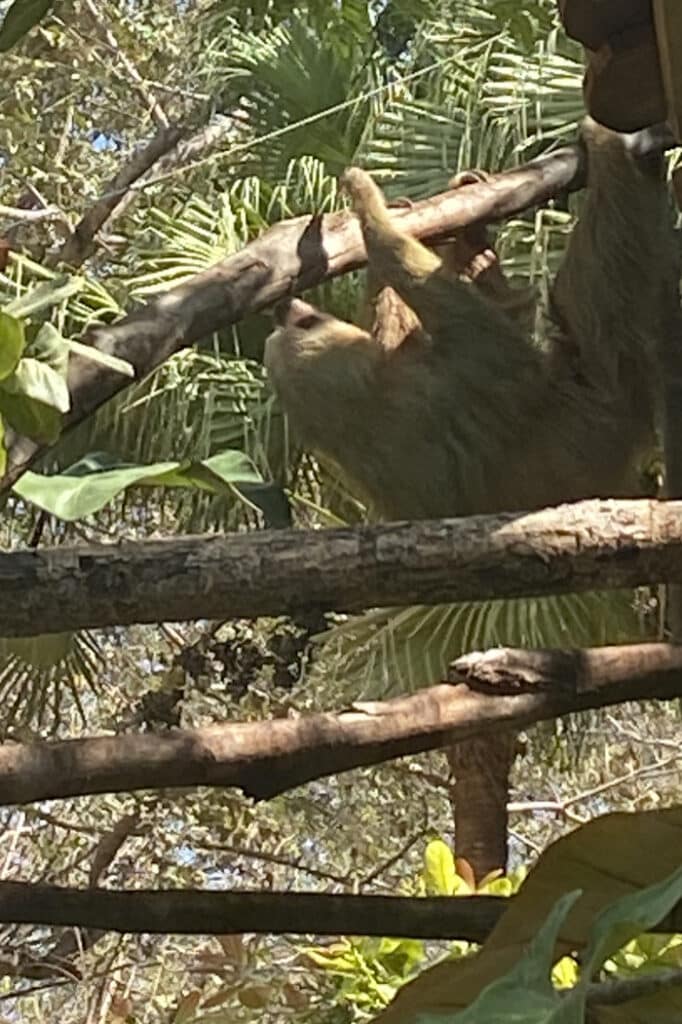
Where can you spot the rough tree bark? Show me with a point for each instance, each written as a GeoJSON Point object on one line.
{"type": "Point", "coordinates": [480, 795]}
{"type": "Point", "coordinates": [267, 758]}
{"type": "Point", "coordinates": [591, 545]}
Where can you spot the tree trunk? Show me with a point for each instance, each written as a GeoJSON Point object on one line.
{"type": "Point", "coordinates": [481, 793]}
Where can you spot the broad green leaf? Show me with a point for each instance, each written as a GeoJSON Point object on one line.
{"type": "Point", "coordinates": [94, 481]}
{"type": "Point", "coordinates": [45, 295]}
{"type": "Point", "coordinates": [38, 381]}
{"type": "Point", "coordinates": [20, 18]}
{"type": "Point", "coordinates": [583, 859]}
{"type": "Point", "coordinates": [526, 993]}
{"type": "Point", "coordinates": [30, 418]}
{"type": "Point", "coordinates": [632, 915]}
{"type": "Point", "coordinates": [51, 347]}
{"type": "Point", "coordinates": [12, 341]}
{"type": "Point", "coordinates": [440, 874]}
{"type": "Point", "coordinates": [48, 346]}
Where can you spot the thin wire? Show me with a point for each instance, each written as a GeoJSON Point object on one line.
{"type": "Point", "coordinates": [277, 133]}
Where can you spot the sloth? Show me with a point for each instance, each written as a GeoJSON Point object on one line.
{"type": "Point", "coordinates": [448, 405]}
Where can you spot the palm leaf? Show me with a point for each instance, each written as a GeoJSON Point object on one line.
{"type": "Point", "coordinates": [393, 651]}
{"type": "Point", "coordinates": [42, 679]}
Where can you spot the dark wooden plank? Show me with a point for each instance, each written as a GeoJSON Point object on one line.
{"type": "Point", "coordinates": [595, 22]}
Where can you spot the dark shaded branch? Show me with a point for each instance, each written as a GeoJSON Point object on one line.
{"type": "Point", "coordinates": [289, 258]}
{"type": "Point", "coordinates": [80, 242]}
{"type": "Point", "coordinates": [591, 545]}
{"type": "Point", "coordinates": [627, 990]}
{"type": "Point", "coordinates": [512, 670]}
{"type": "Point", "coordinates": [270, 757]}
{"type": "Point", "coordinates": [191, 912]}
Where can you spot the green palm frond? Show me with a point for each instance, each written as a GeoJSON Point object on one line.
{"type": "Point", "coordinates": [184, 242]}
{"type": "Point", "coordinates": [394, 651]}
{"type": "Point", "coordinates": [489, 107]}
{"type": "Point", "coordinates": [89, 300]}
{"type": "Point", "coordinates": [283, 79]}
{"type": "Point", "coordinates": [43, 678]}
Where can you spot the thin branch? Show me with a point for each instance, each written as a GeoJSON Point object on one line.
{"type": "Point", "coordinates": [592, 545]}
{"type": "Point", "coordinates": [390, 862]}
{"type": "Point", "coordinates": [267, 758]}
{"type": "Point", "coordinates": [155, 108]}
{"type": "Point", "coordinates": [47, 213]}
{"type": "Point", "coordinates": [192, 912]}
{"type": "Point", "coordinates": [291, 257]}
{"type": "Point", "coordinates": [627, 990]}
{"type": "Point", "coordinates": [79, 244]}
{"type": "Point", "coordinates": [118, 196]}
{"type": "Point", "coordinates": [265, 857]}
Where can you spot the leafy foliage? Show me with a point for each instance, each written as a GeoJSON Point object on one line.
{"type": "Point", "coordinates": [416, 90]}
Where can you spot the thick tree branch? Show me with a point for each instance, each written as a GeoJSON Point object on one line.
{"type": "Point", "coordinates": [507, 670]}
{"type": "Point", "coordinates": [591, 545]}
{"type": "Point", "coordinates": [290, 257]}
{"type": "Point", "coordinates": [192, 912]}
{"type": "Point", "coordinates": [270, 757]}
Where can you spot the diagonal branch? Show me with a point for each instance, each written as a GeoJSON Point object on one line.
{"type": "Point", "coordinates": [289, 258]}
{"type": "Point", "coordinates": [80, 242]}
{"type": "Point", "coordinates": [267, 758]}
{"type": "Point", "coordinates": [168, 150]}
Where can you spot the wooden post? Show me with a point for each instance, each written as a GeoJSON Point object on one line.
{"type": "Point", "coordinates": [594, 22]}
{"type": "Point", "coordinates": [668, 22]}
{"type": "Point", "coordinates": [634, 63]}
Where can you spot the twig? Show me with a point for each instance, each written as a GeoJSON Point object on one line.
{"type": "Point", "coordinates": [274, 858]}
{"type": "Point", "coordinates": [155, 108]}
{"type": "Point", "coordinates": [47, 213]}
{"type": "Point", "coordinates": [617, 993]}
{"type": "Point", "coordinates": [78, 245]}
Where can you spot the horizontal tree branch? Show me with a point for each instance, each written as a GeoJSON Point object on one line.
{"type": "Point", "coordinates": [16, 213]}
{"type": "Point", "coordinates": [593, 545]}
{"type": "Point", "coordinates": [192, 912]}
{"type": "Point", "coordinates": [289, 258]}
{"type": "Point", "coordinates": [270, 757]}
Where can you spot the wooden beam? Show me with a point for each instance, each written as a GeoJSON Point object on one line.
{"type": "Point", "coordinates": [623, 84]}
{"type": "Point", "coordinates": [668, 21]}
{"type": "Point", "coordinates": [595, 22]}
